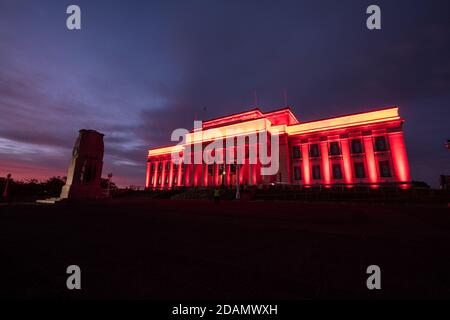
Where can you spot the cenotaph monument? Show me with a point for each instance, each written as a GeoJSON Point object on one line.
{"type": "Point", "coordinates": [85, 170]}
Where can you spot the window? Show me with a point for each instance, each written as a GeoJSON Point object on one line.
{"type": "Point", "coordinates": [159, 180]}
{"type": "Point", "coordinates": [316, 172]}
{"type": "Point", "coordinates": [356, 146]}
{"type": "Point", "coordinates": [175, 167]}
{"type": "Point", "coordinates": [175, 179]}
{"type": "Point", "coordinates": [296, 154]}
{"type": "Point", "coordinates": [380, 143]}
{"type": "Point", "coordinates": [221, 169]}
{"type": "Point", "coordinates": [314, 151]}
{"type": "Point", "coordinates": [385, 169]}
{"type": "Point", "coordinates": [233, 168]}
{"type": "Point", "coordinates": [335, 150]}
{"type": "Point", "coordinates": [167, 165]}
{"type": "Point", "coordinates": [160, 166]}
{"type": "Point", "coordinates": [152, 168]}
{"type": "Point", "coordinates": [166, 180]}
{"type": "Point", "coordinates": [297, 173]}
{"type": "Point", "coordinates": [359, 170]}
{"type": "Point", "coordinates": [151, 180]}
{"type": "Point", "coordinates": [210, 169]}
{"type": "Point", "coordinates": [337, 172]}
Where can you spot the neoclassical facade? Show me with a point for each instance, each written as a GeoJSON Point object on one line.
{"type": "Point", "coordinates": [358, 149]}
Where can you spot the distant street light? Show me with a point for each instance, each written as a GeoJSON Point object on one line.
{"type": "Point", "coordinates": [5, 192]}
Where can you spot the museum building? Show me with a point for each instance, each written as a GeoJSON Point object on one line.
{"type": "Point", "coordinates": [358, 149]}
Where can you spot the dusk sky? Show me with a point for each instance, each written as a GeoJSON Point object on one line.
{"type": "Point", "coordinates": [139, 69]}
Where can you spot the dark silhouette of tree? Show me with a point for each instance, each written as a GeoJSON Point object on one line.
{"type": "Point", "coordinates": [33, 188]}
{"type": "Point", "coordinates": [104, 185]}
{"type": "Point", "coordinates": [54, 185]}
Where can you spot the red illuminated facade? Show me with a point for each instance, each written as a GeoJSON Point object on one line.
{"type": "Point", "coordinates": [359, 149]}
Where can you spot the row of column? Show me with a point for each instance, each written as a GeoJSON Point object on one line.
{"type": "Point", "coordinates": [397, 151]}
{"type": "Point", "coordinates": [198, 175]}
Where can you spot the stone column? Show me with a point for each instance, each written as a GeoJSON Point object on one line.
{"type": "Point", "coordinates": [179, 173]}
{"type": "Point", "coordinates": [371, 164]}
{"type": "Point", "coordinates": [399, 156]}
{"type": "Point", "coordinates": [163, 175]}
{"type": "Point", "coordinates": [205, 175]}
{"type": "Point", "coordinates": [284, 159]}
{"type": "Point", "coordinates": [228, 176]}
{"type": "Point", "coordinates": [216, 174]}
{"type": "Point", "coordinates": [326, 179]}
{"type": "Point", "coordinates": [188, 175]}
{"type": "Point", "coordinates": [171, 175]}
{"type": "Point", "coordinates": [147, 176]}
{"type": "Point", "coordinates": [155, 175]}
{"type": "Point", "coordinates": [346, 161]}
{"type": "Point", "coordinates": [306, 164]}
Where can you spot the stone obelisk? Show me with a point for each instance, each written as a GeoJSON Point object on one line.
{"type": "Point", "coordinates": [85, 170]}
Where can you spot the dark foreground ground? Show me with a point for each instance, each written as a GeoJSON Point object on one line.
{"type": "Point", "coordinates": [163, 249]}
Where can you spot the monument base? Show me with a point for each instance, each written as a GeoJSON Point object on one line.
{"type": "Point", "coordinates": [84, 191]}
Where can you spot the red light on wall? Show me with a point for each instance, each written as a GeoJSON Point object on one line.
{"type": "Point", "coordinates": [147, 176]}
{"type": "Point", "coordinates": [325, 163]}
{"type": "Point", "coordinates": [163, 174]}
{"type": "Point", "coordinates": [370, 159]}
{"type": "Point", "coordinates": [155, 175]}
{"type": "Point", "coordinates": [171, 175]}
{"type": "Point", "coordinates": [179, 178]}
{"type": "Point", "coordinates": [228, 175]}
{"type": "Point", "coordinates": [345, 147]}
{"type": "Point", "coordinates": [187, 175]}
{"type": "Point", "coordinates": [306, 166]}
{"type": "Point", "coordinates": [205, 175]}
{"type": "Point", "coordinates": [197, 170]}
{"type": "Point", "coordinates": [399, 156]}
